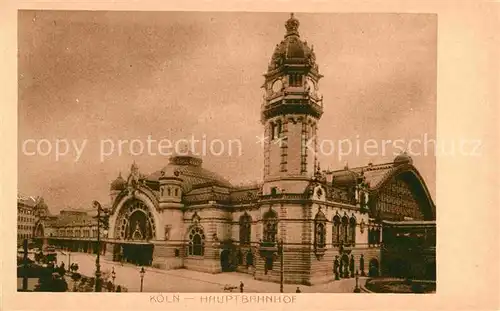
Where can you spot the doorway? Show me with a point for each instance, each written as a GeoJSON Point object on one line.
{"type": "Point", "coordinates": [138, 254]}
{"type": "Point", "coordinates": [373, 268]}
{"type": "Point", "coordinates": [225, 261]}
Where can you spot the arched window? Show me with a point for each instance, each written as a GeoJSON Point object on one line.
{"type": "Point", "coordinates": [320, 230]}
{"type": "Point", "coordinates": [169, 191]}
{"type": "Point", "coordinates": [270, 226]}
{"type": "Point", "coordinates": [196, 241]}
{"type": "Point", "coordinates": [336, 231]}
{"type": "Point", "coordinates": [352, 231]}
{"type": "Point", "coordinates": [344, 229]}
{"type": "Point", "coordinates": [245, 229]}
{"type": "Point", "coordinates": [176, 192]}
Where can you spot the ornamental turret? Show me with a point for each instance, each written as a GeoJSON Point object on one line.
{"type": "Point", "coordinates": [170, 188]}
{"type": "Point", "coordinates": [117, 186]}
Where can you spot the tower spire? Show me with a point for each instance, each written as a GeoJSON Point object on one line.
{"type": "Point", "coordinates": [292, 26]}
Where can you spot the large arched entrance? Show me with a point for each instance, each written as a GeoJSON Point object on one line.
{"type": "Point", "coordinates": [135, 222]}
{"type": "Point", "coordinates": [134, 228]}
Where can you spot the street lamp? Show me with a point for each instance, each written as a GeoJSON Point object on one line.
{"type": "Point", "coordinates": [357, 289]}
{"type": "Point", "coordinates": [98, 285]}
{"type": "Point", "coordinates": [113, 276]}
{"type": "Point", "coordinates": [142, 272]}
{"type": "Point", "coordinates": [282, 261]}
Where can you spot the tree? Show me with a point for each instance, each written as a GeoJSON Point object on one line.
{"type": "Point", "coordinates": [51, 282]}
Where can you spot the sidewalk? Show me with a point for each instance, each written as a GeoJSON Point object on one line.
{"type": "Point", "coordinates": [182, 280]}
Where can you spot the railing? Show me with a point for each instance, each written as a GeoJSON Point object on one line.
{"type": "Point", "coordinates": [268, 246]}
{"type": "Point", "coordinates": [289, 196]}
{"type": "Point", "coordinates": [68, 238]}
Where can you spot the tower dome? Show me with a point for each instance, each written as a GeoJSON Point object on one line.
{"type": "Point", "coordinates": [403, 158]}
{"type": "Point", "coordinates": [119, 183]}
{"type": "Point", "coordinates": [292, 50]}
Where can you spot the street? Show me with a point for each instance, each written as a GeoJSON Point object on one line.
{"type": "Point", "coordinates": [187, 281]}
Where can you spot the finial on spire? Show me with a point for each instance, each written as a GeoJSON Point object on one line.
{"type": "Point", "coordinates": [292, 26]}
{"type": "Point", "coordinates": [134, 168]}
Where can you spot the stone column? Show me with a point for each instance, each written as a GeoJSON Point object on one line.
{"type": "Point", "coordinates": [108, 250]}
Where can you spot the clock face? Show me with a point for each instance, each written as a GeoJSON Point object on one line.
{"type": "Point", "coordinates": [277, 86]}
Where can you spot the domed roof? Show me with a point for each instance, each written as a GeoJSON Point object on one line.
{"type": "Point", "coordinates": [291, 49]}
{"type": "Point", "coordinates": [170, 171]}
{"type": "Point", "coordinates": [119, 183]}
{"type": "Point", "coordinates": [345, 177]}
{"type": "Point", "coordinates": [403, 158]}
{"type": "Point", "coordinates": [190, 171]}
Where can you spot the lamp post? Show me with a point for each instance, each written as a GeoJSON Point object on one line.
{"type": "Point", "coordinates": [98, 285]}
{"type": "Point", "coordinates": [25, 265]}
{"type": "Point", "coordinates": [142, 272]}
{"type": "Point", "coordinates": [357, 289]}
{"type": "Point", "coordinates": [113, 276]}
{"type": "Point", "coordinates": [282, 268]}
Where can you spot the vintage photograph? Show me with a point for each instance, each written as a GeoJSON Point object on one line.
{"type": "Point", "coordinates": [216, 152]}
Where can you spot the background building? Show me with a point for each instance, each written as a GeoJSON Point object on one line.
{"type": "Point", "coordinates": [29, 211]}
{"type": "Point", "coordinates": [25, 217]}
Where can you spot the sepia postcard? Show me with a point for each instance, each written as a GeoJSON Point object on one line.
{"type": "Point", "coordinates": [208, 158]}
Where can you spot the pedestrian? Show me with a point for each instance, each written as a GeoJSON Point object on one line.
{"type": "Point", "coordinates": [298, 290]}
{"type": "Point", "coordinates": [241, 286]}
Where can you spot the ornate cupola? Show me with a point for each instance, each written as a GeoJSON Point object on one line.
{"type": "Point", "coordinates": [292, 106]}
{"type": "Point", "coordinates": [170, 187]}
{"type": "Point", "coordinates": [403, 158]}
{"type": "Point", "coordinates": [117, 186]}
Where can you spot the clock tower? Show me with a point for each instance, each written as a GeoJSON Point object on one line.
{"type": "Point", "coordinates": [291, 109]}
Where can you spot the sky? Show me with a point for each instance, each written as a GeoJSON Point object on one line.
{"type": "Point", "coordinates": [109, 76]}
